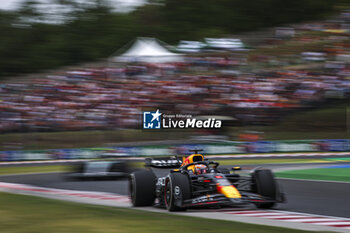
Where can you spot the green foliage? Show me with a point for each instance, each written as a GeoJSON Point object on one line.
{"type": "Point", "coordinates": [93, 31]}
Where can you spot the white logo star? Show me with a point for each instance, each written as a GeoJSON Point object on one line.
{"type": "Point", "coordinates": [156, 115]}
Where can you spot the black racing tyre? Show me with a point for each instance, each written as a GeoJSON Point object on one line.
{"type": "Point", "coordinates": [76, 168]}
{"type": "Point", "coordinates": [177, 187]}
{"type": "Point", "coordinates": [264, 183]}
{"type": "Point", "coordinates": [120, 167]}
{"type": "Point", "coordinates": [142, 186]}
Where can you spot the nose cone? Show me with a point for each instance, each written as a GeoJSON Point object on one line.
{"type": "Point", "coordinates": [230, 192]}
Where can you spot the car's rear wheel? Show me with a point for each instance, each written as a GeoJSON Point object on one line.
{"type": "Point", "coordinates": [118, 167]}
{"type": "Point", "coordinates": [77, 168]}
{"type": "Point", "coordinates": [264, 183]}
{"type": "Point", "coordinates": [142, 186]}
{"type": "Point", "coordinates": [177, 189]}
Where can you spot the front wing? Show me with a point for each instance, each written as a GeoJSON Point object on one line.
{"type": "Point", "coordinates": [220, 200]}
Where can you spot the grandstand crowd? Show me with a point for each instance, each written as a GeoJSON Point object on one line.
{"type": "Point", "coordinates": [249, 88]}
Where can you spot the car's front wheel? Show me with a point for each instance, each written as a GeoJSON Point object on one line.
{"type": "Point", "coordinates": [142, 186]}
{"type": "Point", "coordinates": [177, 189]}
{"type": "Point", "coordinates": [264, 183]}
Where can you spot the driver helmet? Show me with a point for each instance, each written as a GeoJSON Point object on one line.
{"type": "Point", "coordinates": [200, 169]}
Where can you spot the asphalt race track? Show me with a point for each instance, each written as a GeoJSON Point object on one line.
{"type": "Point", "coordinates": [323, 198]}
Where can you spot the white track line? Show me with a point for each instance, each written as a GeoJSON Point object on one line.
{"type": "Point", "coordinates": [63, 192]}
{"type": "Point", "coordinates": [296, 217]}
{"type": "Point", "coordinates": [310, 219]}
{"type": "Point", "coordinates": [334, 223]}
{"type": "Point", "coordinates": [260, 214]}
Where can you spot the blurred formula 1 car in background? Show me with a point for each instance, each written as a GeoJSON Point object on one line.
{"type": "Point", "coordinates": [99, 169]}
{"type": "Point", "coordinates": [197, 182]}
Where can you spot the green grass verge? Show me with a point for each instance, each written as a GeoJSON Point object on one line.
{"type": "Point", "coordinates": [33, 169]}
{"type": "Point", "coordinates": [38, 215]}
{"type": "Point", "coordinates": [330, 174]}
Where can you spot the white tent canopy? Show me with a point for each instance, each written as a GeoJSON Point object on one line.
{"type": "Point", "coordinates": [147, 50]}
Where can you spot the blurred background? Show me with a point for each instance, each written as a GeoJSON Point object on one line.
{"type": "Point", "coordinates": [80, 73]}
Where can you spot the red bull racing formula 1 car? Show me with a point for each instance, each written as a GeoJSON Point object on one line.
{"type": "Point", "coordinates": [197, 182]}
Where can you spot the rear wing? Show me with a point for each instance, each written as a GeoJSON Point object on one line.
{"type": "Point", "coordinates": [164, 162]}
